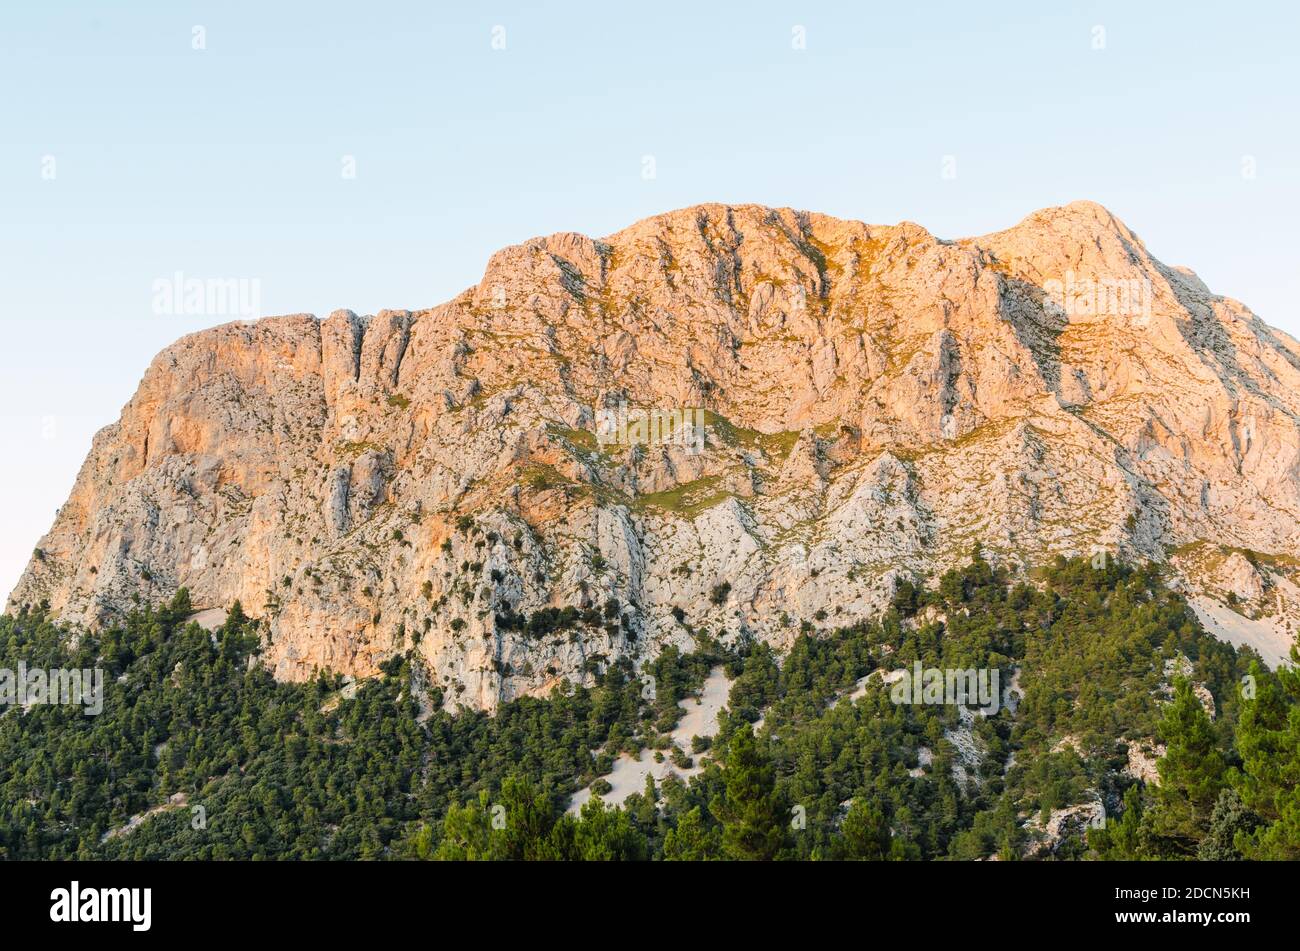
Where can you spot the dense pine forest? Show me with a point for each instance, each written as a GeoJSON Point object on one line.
{"type": "Point", "coordinates": [229, 764]}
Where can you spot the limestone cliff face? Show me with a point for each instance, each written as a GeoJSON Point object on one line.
{"type": "Point", "coordinates": [878, 400]}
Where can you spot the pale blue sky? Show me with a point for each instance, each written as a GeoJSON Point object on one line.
{"type": "Point", "coordinates": [227, 162]}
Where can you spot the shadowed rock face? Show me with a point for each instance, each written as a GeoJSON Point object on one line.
{"type": "Point", "coordinates": [878, 400]}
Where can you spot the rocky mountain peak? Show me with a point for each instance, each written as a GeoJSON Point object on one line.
{"type": "Point", "coordinates": [871, 400]}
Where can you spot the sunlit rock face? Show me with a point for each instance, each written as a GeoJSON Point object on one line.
{"type": "Point", "coordinates": [874, 401]}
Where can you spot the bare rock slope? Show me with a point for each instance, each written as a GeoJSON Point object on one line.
{"type": "Point", "coordinates": [877, 401]}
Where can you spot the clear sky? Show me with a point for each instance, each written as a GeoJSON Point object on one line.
{"type": "Point", "coordinates": [371, 155]}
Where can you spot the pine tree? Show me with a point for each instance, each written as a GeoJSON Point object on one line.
{"type": "Point", "coordinates": [1192, 772]}
{"type": "Point", "coordinates": [607, 835]}
{"type": "Point", "coordinates": [692, 840]}
{"type": "Point", "coordinates": [752, 817]}
{"type": "Point", "coordinates": [467, 834]}
{"type": "Point", "coordinates": [529, 817]}
{"type": "Point", "coordinates": [1124, 838]}
{"type": "Point", "coordinates": [1268, 781]}
{"type": "Point", "coordinates": [1230, 818]}
{"type": "Point", "coordinates": [864, 833]}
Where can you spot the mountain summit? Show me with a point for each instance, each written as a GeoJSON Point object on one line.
{"type": "Point", "coordinates": [727, 419]}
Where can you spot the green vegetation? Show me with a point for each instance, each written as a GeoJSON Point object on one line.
{"type": "Point", "coordinates": [688, 499]}
{"type": "Point", "coordinates": [775, 446]}
{"type": "Point", "coordinates": [353, 449]}
{"type": "Point", "coordinates": [580, 438]}
{"type": "Point", "coordinates": [541, 477]}
{"type": "Point", "coordinates": [309, 770]}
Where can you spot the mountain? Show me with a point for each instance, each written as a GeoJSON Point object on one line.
{"type": "Point", "coordinates": [477, 480]}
